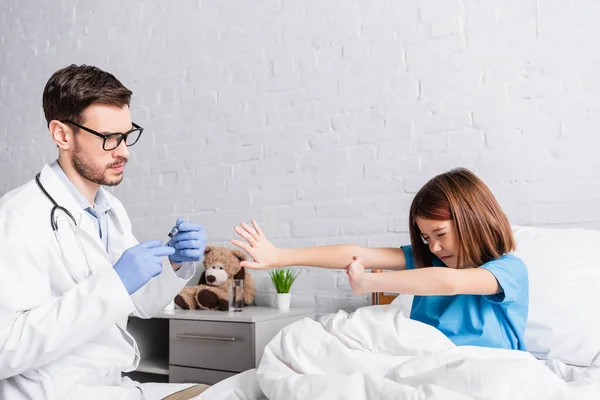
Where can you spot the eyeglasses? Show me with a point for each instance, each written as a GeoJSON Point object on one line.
{"type": "Point", "coordinates": [113, 140]}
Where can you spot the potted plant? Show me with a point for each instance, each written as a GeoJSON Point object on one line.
{"type": "Point", "coordinates": [283, 279]}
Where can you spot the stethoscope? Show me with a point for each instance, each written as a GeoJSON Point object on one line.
{"type": "Point", "coordinates": [54, 224]}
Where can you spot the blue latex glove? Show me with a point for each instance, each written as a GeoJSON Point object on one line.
{"type": "Point", "coordinates": [140, 263]}
{"type": "Point", "coordinates": [189, 243]}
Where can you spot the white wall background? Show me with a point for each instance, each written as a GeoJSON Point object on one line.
{"type": "Point", "coordinates": [322, 118]}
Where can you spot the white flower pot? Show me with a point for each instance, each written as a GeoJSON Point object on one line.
{"type": "Point", "coordinates": [283, 301]}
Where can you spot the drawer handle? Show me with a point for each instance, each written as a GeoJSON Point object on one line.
{"type": "Point", "coordinates": [202, 337]}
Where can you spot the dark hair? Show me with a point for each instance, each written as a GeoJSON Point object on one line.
{"type": "Point", "coordinates": [483, 231]}
{"type": "Point", "coordinates": [70, 90]}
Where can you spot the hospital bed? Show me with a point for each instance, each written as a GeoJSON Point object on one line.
{"type": "Point", "coordinates": [378, 352]}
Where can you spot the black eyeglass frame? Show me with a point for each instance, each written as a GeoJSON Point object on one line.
{"type": "Point", "coordinates": [121, 136]}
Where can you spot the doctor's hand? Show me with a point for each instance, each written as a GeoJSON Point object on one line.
{"type": "Point", "coordinates": [141, 263]}
{"type": "Point", "coordinates": [189, 243]}
{"type": "Point", "coordinates": [262, 251]}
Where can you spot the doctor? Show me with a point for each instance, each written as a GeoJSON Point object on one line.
{"type": "Point", "coordinates": [71, 270]}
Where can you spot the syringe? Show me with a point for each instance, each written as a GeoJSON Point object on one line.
{"type": "Point", "coordinates": [171, 234]}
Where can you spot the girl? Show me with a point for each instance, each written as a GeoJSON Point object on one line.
{"type": "Point", "coordinates": [458, 266]}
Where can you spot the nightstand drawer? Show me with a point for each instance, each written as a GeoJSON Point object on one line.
{"type": "Point", "coordinates": [197, 375]}
{"type": "Point", "coordinates": [226, 346]}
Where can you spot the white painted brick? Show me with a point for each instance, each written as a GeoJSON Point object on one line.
{"type": "Point", "coordinates": [449, 19]}
{"type": "Point", "coordinates": [401, 167]}
{"type": "Point", "coordinates": [523, 165]}
{"type": "Point", "coordinates": [400, 223]}
{"type": "Point", "coordinates": [288, 213]}
{"type": "Point", "coordinates": [269, 197]}
{"type": "Point", "coordinates": [362, 154]}
{"type": "Point", "coordinates": [209, 174]}
{"type": "Point", "coordinates": [325, 174]}
{"type": "Point", "coordinates": [325, 141]}
{"type": "Point", "coordinates": [277, 165]}
{"type": "Point", "coordinates": [386, 205]}
{"type": "Point", "coordinates": [343, 283]}
{"type": "Point", "coordinates": [443, 162]}
{"type": "Point", "coordinates": [308, 127]}
{"type": "Point", "coordinates": [171, 165]}
{"type": "Point", "coordinates": [442, 123]}
{"type": "Point", "coordinates": [364, 226]}
{"type": "Point", "coordinates": [314, 159]}
{"type": "Point", "coordinates": [245, 153]}
{"type": "Point", "coordinates": [327, 108]}
{"type": "Point", "coordinates": [314, 92]}
{"type": "Point", "coordinates": [375, 188]}
{"type": "Point", "coordinates": [289, 145]}
{"type": "Point", "coordinates": [434, 52]}
{"type": "Point", "coordinates": [466, 139]}
{"type": "Point", "coordinates": [296, 179]}
{"type": "Point", "coordinates": [339, 209]}
{"type": "Point", "coordinates": [388, 240]}
{"type": "Point", "coordinates": [313, 279]}
{"type": "Point", "coordinates": [556, 213]}
{"type": "Point", "coordinates": [172, 180]}
{"type": "Point", "coordinates": [296, 242]}
{"type": "Point", "coordinates": [244, 170]}
{"type": "Point", "coordinates": [236, 185]}
{"type": "Point", "coordinates": [221, 201]}
{"type": "Point", "coordinates": [301, 301]}
{"type": "Point", "coordinates": [200, 160]}
{"type": "Point", "coordinates": [391, 150]}
{"type": "Point", "coordinates": [350, 122]}
{"type": "Point", "coordinates": [245, 123]}
{"type": "Point", "coordinates": [313, 74]}
{"type": "Point", "coordinates": [580, 125]}
{"type": "Point", "coordinates": [393, 129]}
{"type": "Point", "coordinates": [308, 228]}
{"type": "Point", "coordinates": [334, 191]}
{"type": "Point", "coordinates": [296, 113]}
{"type": "Point", "coordinates": [233, 97]}
{"type": "Point", "coordinates": [282, 66]}
{"type": "Point", "coordinates": [328, 241]}
{"type": "Point", "coordinates": [232, 217]}
{"type": "Point", "coordinates": [281, 83]}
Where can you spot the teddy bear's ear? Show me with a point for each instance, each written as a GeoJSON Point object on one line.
{"type": "Point", "coordinates": [239, 254]}
{"type": "Point", "coordinates": [241, 274]}
{"type": "Point", "coordinates": [208, 249]}
{"type": "Point", "coordinates": [202, 280]}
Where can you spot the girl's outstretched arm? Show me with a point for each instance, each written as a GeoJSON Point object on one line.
{"type": "Point", "coordinates": [266, 255]}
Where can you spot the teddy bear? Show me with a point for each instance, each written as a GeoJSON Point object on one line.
{"type": "Point", "coordinates": [220, 266]}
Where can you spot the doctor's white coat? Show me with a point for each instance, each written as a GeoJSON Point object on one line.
{"type": "Point", "coordinates": [60, 339]}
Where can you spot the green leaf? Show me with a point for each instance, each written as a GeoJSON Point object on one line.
{"type": "Point", "coordinates": [282, 279]}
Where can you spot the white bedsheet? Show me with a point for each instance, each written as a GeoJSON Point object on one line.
{"type": "Point", "coordinates": [378, 353]}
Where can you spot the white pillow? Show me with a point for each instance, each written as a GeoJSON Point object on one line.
{"type": "Point", "coordinates": [564, 298]}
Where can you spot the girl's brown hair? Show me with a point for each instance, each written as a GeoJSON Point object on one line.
{"type": "Point", "coordinates": [482, 228]}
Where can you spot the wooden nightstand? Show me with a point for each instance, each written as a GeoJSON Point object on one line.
{"type": "Point", "coordinates": [205, 346]}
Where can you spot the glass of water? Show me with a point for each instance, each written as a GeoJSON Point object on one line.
{"type": "Point", "coordinates": [236, 295]}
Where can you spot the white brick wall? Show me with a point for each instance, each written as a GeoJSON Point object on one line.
{"type": "Point", "coordinates": [322, 118]}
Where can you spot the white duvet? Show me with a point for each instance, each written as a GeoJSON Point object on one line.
{"type": "Point", "coordinates": [378, 353]}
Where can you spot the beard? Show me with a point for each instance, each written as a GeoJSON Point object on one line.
{"type": "Point", "coordinates": [94, 172]}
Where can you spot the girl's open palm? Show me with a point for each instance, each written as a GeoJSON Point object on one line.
{"type": "Point", "coordinates": [256, 245]}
